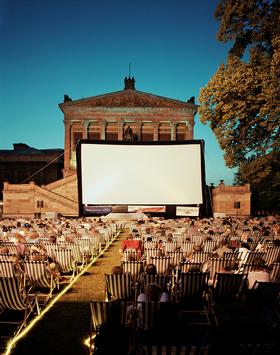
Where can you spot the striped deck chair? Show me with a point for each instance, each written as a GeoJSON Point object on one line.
{"type": "Point", "coordinates": [149, 253]}
{"type": "Point", "coordinates": [103, 312]}
{"type": "Point", "coordinates": [176, 257]}
{"type": "Point", "coordinates": [226, 288]}
{"type": "Point", "coordinates": [174, 349]}
{"type": "Point", "coordinates": [6, 256]}
{"type": "Point", "coordinates": [162, 280]}
{"type": "Point", "coordinates": [275, 272]}
{"type": "Point", "coordinates": [15, 298]}
{"type": "Point", "coordinates": [200, 256]}
{"type": "Point", "coordinates": [255, 255]}
{"type": "Point", "coordinates": [147, 313]}
{"type": "Point", "coordinates": [37, 275]}
{"type": "Point", "coordinates": [267, 292]}
{"type": "Point", "coordinates": [187, 247]}
{"type": "Point", "coordinates": [209, 246]}
{"type": "Point", "coordinates": [170, 246]}
{"type": "Point", "coordinates": [247, 267]}
{"type": "Point", "coordinates": [187, 266]}
{"type": "Point", "coordinates": [85, 245]}
{"type": "Point", "coordinates": [272, 255]}
{"type": "Point", "coordinates": [162, 264]}
{"type": "Point", "coordinates": [198, 238]}
{"type": "Point", "coordinates": [11, 246]}
{"type": "Point", "coordinates": [65, 260]}
{"type": "Point", "coordinates": [217, 265]}
{"type": "Point", "coordinates": [9, 269]}
{"type": "Point", "coordinates": [50, 247]}
{"type": "Point", "coordinates": [130, 254]}
{"type": "Point", "coordinates": [135, 268]}
{"type": "Point", "coordinates": [191, 289]}
{"type": "Point", "coordinates": [119, 286]}
{"type": "Point", "coordinates": [78, 256]}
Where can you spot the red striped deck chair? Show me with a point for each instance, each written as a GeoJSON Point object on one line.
{"type": "Point", "coordinates": [174, 349]}
{"type": "Point", "coordinates": [37, 275]}
{"type": "Point", "coordinates": [272, 255]}
{"type": "Point", "coordinates": [118, 286]}
{"type": "Point", "coordinates": [15, 298]}
{"type": "Point", "coordinates": [275, 272]}
{"type": "Point", "coordinates": [162, 264]}
{"type": "Point", "coordinates": [65, 260]}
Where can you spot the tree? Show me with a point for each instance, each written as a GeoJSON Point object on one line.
{"type": "Point", "coordinates": [241, 100]}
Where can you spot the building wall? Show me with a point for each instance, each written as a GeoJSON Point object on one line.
{"type": "Point", "coordinates": [231, 200]}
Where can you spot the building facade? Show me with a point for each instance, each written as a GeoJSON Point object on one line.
{"type": "Point", "coordinates": [147, 117]}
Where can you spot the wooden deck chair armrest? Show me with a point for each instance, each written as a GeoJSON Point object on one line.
{"type": "Point", "coordinates": [209, 298]}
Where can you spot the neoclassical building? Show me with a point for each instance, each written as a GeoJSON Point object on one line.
{"type": "Point", "coordinates": [107, 117]}
{"type": "Point", "coordinates": [110, 116]}
{"type": "Point", "coordinates": [125, 114]}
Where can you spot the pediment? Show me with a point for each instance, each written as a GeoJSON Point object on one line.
{"type": "Point", "coordinates": [128, 98]}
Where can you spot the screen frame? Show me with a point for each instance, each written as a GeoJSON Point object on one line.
{"type": "Point", "coordinates": [170, 209]}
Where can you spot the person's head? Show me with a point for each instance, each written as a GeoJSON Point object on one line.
{"type": "Point", "coordinates": [52, 239]}
{"type": "Point", "coordinates": [259, 264]}
{"type": "Point", "coordinates": [245, 245]}
{"type": "Point", "coordinates": [4, 250]}
{"type": "Point", "coordinates": [151, 269]}
{"type": "Point", "coordinates": [116, 270]}
{"type": "Point", "coordinates": [152, 292]}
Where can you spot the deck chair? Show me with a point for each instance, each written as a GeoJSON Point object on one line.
{"type": "Point", "coordinates": [149, 253]}
{"type": "Point", "coordinates": [118, 286]}
{"type": "Point", "coordinates": [272, 255]}
{"type": "Point", "coordinates": [135, 268]}
{"type": "Point", "coordinates": [38, 276]}
{"type": "Point", "coordinates": [226, 288]}
{"type": "Point", "coordinates": [176, 257]}
{"type": "Point", "coordinates": [174, 349]}
{"type": "Point", "coordinates": [209, 246]}
{"type": "Point", "coordinates": [162, 280]}
{"type": "Point", "coordinates": [9, 269]}
{"type": "Point", "coordinates": [267, 292]}
{"type": "Point", "coordinates": [65, 260]}
{"type": "Point", "coordinates": [200, 257]}
{"type": "Point", "coordinates": [255, 255]}
{"type": "Point", "coordinates": [14, 297]}
{"type": "Point", "coordinates": [275, 272]}
{"type": "Point", "coordinates": [190, 266]}
{"type": "Point", "coordinates": [162, 264]}
{"type": "Point", "coordinates": [104, 313]}
{"type": "Point", "coordinates": [191, 294]}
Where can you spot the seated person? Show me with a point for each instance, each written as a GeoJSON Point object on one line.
{"type": "Point", "coordinates": [153, 292]}
{"type": "Point", "coordinates": [130, 243]}
{"type": "Point", "coordinates": [259, 273]}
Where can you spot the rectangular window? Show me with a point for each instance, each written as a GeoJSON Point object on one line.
{"type": "Point", "coordinates": [236, 204]}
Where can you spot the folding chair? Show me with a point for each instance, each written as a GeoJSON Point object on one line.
{"type": "Point", "coordinates": [162, 264]}
{"type": "Point", "coordinates": [267, 292]}
{"type": "Point", "coordinates": [14, 297]}
{"type": "Point", "coordinates": [272, 255]}
{"type": "Point", "coordinates": [275, 272]}
{"type": "Point", "coordinates": [149, 253]}
{"type": "Point", "coordinates": [190, 266]}
{"type": "Point", "coordinates": [162, 280]}
{"type": "Point", "coordinates": [176, 257]}
{"type": "Point", "coordinates": [38, 276]}
{"type": "Point", "coordinates": [118, 286]}
{"type": "Point", "coordinates": [226, 288]}
{"type": "Point", "coordinates": [200, 257]}
{"type": "Point", "coordinates": [65, 260]}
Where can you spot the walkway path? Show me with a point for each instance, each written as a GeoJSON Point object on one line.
{"type": "Point", "coordinates": [65, 327]}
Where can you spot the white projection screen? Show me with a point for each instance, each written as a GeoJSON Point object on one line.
{"type": "Point", "coordinates": [154, 173]}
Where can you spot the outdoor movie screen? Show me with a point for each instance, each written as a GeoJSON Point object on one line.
{"type": "Point", "coordinates": [154, 173]}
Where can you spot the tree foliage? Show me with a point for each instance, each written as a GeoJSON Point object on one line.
{"type": "Point", "coordinates": [241, 100]}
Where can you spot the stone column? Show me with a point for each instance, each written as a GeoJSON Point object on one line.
{"type": "Point", "coordinates": [67, 146]}
{"type": "Point", "coordinates": [103, 130]}
{"type": "Point", "coordinates": [85, 129]}
{"type": "Point", "coordinates": [156, 128]}
{"type": "Point", "coordinates": [120, 130]}
{"type": "Point", "coordinates": [138, 129]}
{"type": "Point", "coordinates": [173, 126]}
{"type": "Point", "coordinates": [189, 126]}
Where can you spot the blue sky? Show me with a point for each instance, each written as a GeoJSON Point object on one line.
{"type": "Point", "coordinates": [83, 48]}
